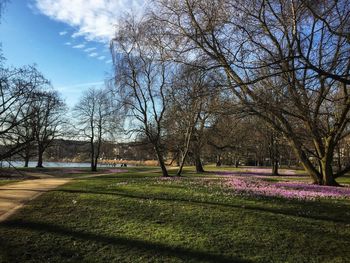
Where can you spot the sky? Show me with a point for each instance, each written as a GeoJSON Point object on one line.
{"type": "Point", "coordinates": [68, 40]}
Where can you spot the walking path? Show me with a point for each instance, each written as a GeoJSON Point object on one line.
{"type": "Point", "coordinates": [16, 195]}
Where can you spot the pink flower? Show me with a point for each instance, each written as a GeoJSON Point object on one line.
{"type": "Point", "coordinates": [296, 190]}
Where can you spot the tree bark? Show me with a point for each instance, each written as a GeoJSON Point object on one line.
{"type": "Point", "coordinates": [26, 162]}
{"type": "Point", "coordinates": [188, 137]}
{"type": "Point", "coordinates": [98, 148]}
{"type": "Point", "coordinates": [92, 152]}
{"type": "Point", "coordinates": [305, 162]}
{"type": "Point", "coordinates": [163, 167]}
{"type": "Point", "coordinates": [161, 162]}
{"type": "Point", "coordinates": [339, 162]}
{"type": "Point", "coordinates": [26, 155]}
{"type": "Point", "coordinates": [275, 167]}
{"type": "Point", "coordinates": [40, 158]}
{"type": "Point", "coordinates": [325, 175]}
{"type": "Point", "coordinates": [237, 163]}
{"type": "Point", "coordinates": [182, 163]}
{"type": "Point", "coordinates": [218, 160]}
{"type": "Point", "coordinates": [198, 163]}
{"type": "Point", "coordinates": [327, 171]}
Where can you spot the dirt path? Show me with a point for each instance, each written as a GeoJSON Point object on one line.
{"type": "Point", "coordinates": [13, 196]}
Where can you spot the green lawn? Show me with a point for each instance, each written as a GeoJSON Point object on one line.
{"type": "Point", "coordinates": [138, 217]}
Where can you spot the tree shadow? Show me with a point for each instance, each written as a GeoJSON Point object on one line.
{"type": "Point", "coordinates": [279, 211]}
{"type": "Point", "coordinates": [248, 173]}
{"type": "Point", "coordinates": [151, 247]}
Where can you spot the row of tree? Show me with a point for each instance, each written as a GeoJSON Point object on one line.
{"type": "Point", "coordinates": [190, 74]}
{"type": "Point", "coordinates": [194, 127]}
{"type": "Point", "coordinates": [31, 113]}
{"type": "Point", "coordinates": [284, 61]}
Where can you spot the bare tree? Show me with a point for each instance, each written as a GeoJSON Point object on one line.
{"type": "Point", "coordinates": [48, 120]}
{"type": "Point", "coordinates": [228, 134]}
{"type": "Point", "coordinates": [25, 132]}
{"type": "Point", "coordinates": [97, 120]}
{"type": "Point", "coordinates": [286, 61]}
{"type": "Point", "coordinates": [142, 81]}
{"type": "Point", "coordinates": [188, 101]}
{"type": "Point", "coordinates": [17, 87]}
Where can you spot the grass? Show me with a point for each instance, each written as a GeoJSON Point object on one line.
{"type": "Point", "coordinates": [344, 179]}
{"type": "Point", "coordinates": [138, 217]}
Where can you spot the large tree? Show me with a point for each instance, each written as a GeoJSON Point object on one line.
{"type": "Point", "coordinates": [25, 132]}
{"type": "Point", "coordinates": [286, 61]}
{"type": "Point", "coordinates": [189, 105]}
{"type": "Point", "coordinates": [142, 80]}
{"type": "Point", "coordinates": [17, 89]}
{"type": "Point", "coordinates": [48, 120]}
{"type": "Point", "coordinates": [97, 120]}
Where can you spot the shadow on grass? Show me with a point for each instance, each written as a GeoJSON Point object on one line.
{"type": "Point", "coordinates": [307, 206]}
{"type": "Point", "coordinates": [247, 173]}
{"type": "Point", "coordinates": [151, 247]}
{"type": "Point", "coordinates": [136, 176]}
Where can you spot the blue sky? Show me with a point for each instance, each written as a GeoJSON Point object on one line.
{"type": "Point", "coordinates": [67, 39]}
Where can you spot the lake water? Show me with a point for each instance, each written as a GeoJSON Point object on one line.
{"type": "Point", "coordinates": [6, 164]}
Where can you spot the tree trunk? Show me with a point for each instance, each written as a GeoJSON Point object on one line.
{"type": "Point", "coordinates": [93, 166]}
{"type": "Point", "coordinates": [26, 161]}
{"type": "Point", "coordinates": [305, 162]}
{"type": "Point", "coordinates": [275, 167]}
{"type": "Point", "coordinates": [182, 163]}
{"type": "Point", "coordinates": [339, 162]}
{"type": "Point", "coordinates": [218, 160]}
{"type": "Point", "coordinates": [188, 137]}
{"type": "Point", "coordinates": [92, 153]}
{"type": "Point", "coordinates": [198, 163]}
{"type": "Point", "coordinates": [98, 148]}
{"type": "Point", "coordinates": [327, 173]}
{"type": "Point", "coordinates": [40, 157]}
{"type": "Point", "coordinates": [161, 161]}
{"type": "Point", "coordinates": [95, 161]}
{"type": "Point", "coordinates": [236, 162]}
{"type": "Point", "coordinates": [26, 155]}
{"type": "Point", "coordinates": [163, 167]}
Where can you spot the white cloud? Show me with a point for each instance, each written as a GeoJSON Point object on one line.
{"type": "Point", "coordinates": [93, 54]}
{"type": "Point", "coordinates": [109, 61]}
{"type": "Point", "coordinates": [101, 57]}
{"type": "Point", "coordinates": [75, 35]}
{"type": "Point", "coordinates": [90, 49]}
{"type": "Point", "coordinates": [68, 43]}
{"type": "Point", "coordinates": [79, 46]}
{"type": "Point", "coordinates": [80, 85]}
{"type": "Point", "coordinates": [94, 19]}
{"type": "Point", "coordinates": [62, 33]}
